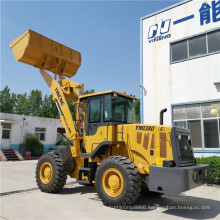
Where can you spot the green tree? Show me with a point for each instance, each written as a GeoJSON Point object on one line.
{"type": "Point", "coordinates": [72, 108]}
{"type": "Point", "coordinates": [7, 101]}
{"type": "Point", "coordinates": [137, 110]}
{"type": "Point", "coordinates": [34, 102]}
{"type": "Point", "coordinates": [21, 106]}
{"type": "Point", "coordinates": [48, 108]}
{"type": "Point", "coordinates": [91, 91]}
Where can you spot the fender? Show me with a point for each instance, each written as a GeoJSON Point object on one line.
{"type": "Point", "coordinates": [64, 153]}
{"type": "Point", "coordinates": [100, 149]}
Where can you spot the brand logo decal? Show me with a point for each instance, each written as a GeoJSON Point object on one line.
{"type": "Point", "coordinates": [159, 31]}
{"type": "Point", "coordinates": [59, 97]}
{"type": "Point", "coordinates": [161, 129]}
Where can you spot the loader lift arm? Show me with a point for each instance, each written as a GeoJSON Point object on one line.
{"type": "Point", "coordinates": [62, 90]}
{"type": "Point", "coordinates": [45, 54]}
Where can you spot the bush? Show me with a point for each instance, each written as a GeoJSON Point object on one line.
{"type": "Point", "coordinates": [34, 145]}
{"type": "Point", "coordinates": [63, 143]}
{"type": "Point", "coordinates": [214, 163]}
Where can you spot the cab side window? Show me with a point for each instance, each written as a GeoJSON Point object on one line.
{"type": "Point", "coordinates": [107, 107]}
{"type": "Point", "coordinates": [95, 110]}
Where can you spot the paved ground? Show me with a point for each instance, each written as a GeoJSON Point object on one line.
{"type": "Point", "coordinates": [21, 199]}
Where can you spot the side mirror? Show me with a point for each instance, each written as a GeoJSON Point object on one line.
{"type": "Point", "coordinates": [80, 110]}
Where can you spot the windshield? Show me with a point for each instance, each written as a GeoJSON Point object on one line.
{"type": "Point", "coordinates": [119, 109]}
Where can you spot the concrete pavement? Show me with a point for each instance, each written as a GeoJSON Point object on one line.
{"type": "Point", "coordinates": [21, 199]}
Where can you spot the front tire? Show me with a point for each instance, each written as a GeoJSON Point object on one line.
{"type": "Point", "coordinates": [51, 174]}
{"type": "Point", "coordinates": [118, 182]}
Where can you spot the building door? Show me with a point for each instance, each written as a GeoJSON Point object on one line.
{"type": "Point", "coordinates": [6, 133]}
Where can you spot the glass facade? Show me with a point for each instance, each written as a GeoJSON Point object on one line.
{"type": "Point", "coordinates": [204, 128]}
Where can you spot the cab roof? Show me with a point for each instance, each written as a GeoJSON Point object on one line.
{"type": "Point", "coordinates": [106, 92]}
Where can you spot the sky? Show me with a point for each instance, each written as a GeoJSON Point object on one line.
{"type": "Point", "coordinates": [106, 33]}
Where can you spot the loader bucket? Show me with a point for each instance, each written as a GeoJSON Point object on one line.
{"type": "Point", "coordinates": [43, 53]}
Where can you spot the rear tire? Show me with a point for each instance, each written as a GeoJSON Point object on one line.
{"type": "Point", "coordinates": [51, 174]}
{"type": "Point", "coordinates": [118, 182]}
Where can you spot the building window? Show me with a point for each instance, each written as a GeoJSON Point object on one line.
{"type": "Point", "coordinates": [6, 130]}
{"type": "Point", "coordinates": [179, 51]}
{"type": "Point", "coordinates": [195, 46]}
{"type": "Point", "coordinates": [211, 134]}
{"type": "Point", "coordinates": [204, 128]}
{"type": "Point", "coordinates": [41, 133]}
{"type": "Point", "coordinates": [214, 41]}
{"type": "Point", "coordinates": [195, 129]}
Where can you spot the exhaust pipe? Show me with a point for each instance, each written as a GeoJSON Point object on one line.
{"type": "Point", "coordinates": [161, 115]}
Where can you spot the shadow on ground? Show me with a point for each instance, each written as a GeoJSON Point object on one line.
{"type": "Point", "coordinates": [180, 206]}
{"type": "Point", "coordinates": [78, 190]}
{"type": "Point", "coordinates": [176, 206]}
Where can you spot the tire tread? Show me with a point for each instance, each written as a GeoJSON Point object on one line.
{"type": "Point", "coordinates": [133, 176]}
{"type": "Point", "coordinates": [59, 172]}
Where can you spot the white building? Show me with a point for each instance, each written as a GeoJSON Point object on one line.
{"type": "Point", "coordinates": [13, 130]}
{"type": "Point", "coordinates": [180, 70]}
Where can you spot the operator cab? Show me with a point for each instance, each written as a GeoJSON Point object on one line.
{"type": "Point", "coordinates": [107, 108]}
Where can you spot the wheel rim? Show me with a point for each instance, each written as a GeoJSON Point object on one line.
{"type": "Point", "coordinates": [46, 172]}
{"type": "Point", "coordinates": [112, 182]}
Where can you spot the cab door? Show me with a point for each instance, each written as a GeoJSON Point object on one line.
{"type": "Point", "coordinates": [96, 130]}
{"type": "Point", "coordinates": [94, 115]}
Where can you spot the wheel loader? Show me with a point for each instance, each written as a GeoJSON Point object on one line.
{"type": "Point", "coordinates": [106, 145]}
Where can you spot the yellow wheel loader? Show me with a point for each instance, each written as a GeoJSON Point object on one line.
{"type": "Point", "coordinates": [106, 146]}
